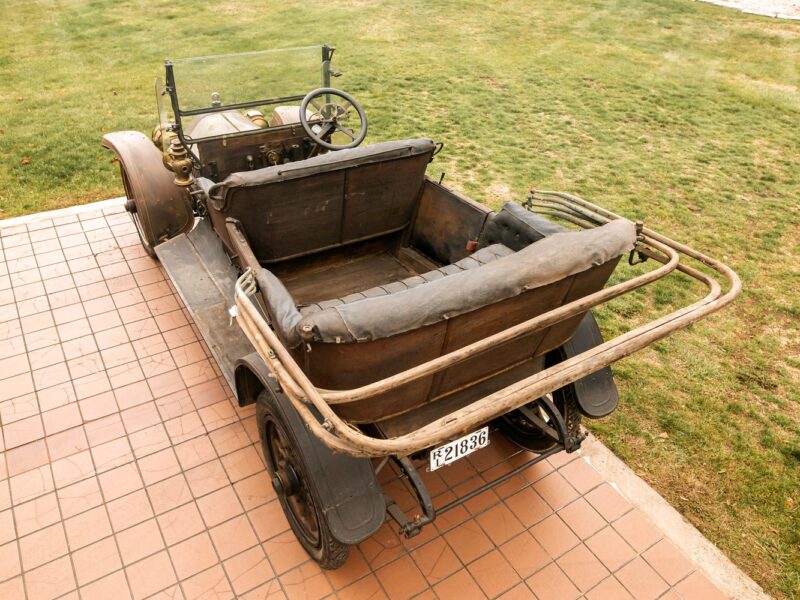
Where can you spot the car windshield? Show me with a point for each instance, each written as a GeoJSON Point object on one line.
{"type": "Point", "coordinates": [232, 79]}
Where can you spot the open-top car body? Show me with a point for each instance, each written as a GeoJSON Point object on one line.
{"type": "Point", "coordinates": [372, 314]}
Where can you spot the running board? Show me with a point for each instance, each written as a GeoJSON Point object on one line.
{"type": "Point", "coordinates": [203, 275]}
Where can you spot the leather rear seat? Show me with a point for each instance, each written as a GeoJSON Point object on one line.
{"type": "Point", "coordinates": [475, 260]}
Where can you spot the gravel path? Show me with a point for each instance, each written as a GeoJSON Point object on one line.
{"type": "Point", "coordinates": [786, 9]}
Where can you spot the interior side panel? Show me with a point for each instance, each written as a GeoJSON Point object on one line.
{"type": "Point", "coordinates": [445, 222]}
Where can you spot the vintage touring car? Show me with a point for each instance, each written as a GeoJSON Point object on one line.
{"type": "Point", "coordinates": [373, 314]}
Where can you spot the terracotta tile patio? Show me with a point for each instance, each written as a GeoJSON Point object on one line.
{"type": "Point", "coordinates": [129, 470]}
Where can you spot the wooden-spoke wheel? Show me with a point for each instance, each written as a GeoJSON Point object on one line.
{"type": "Point", "coordinates": [528, 435]}
{"type": "Point", "coordinates": [296, 493]}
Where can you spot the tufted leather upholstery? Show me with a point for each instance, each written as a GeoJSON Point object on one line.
{"type": "Point", "coordinates": [517, 228]}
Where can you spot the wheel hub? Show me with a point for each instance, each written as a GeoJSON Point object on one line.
{"type": "Point", "coordinates": [285, 482]}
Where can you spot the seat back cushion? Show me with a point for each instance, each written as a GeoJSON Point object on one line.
{"type": "Point", "coordinates": [326, 201]}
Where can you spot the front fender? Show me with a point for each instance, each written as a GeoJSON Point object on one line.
{"type": "Point", "coordinates": [164, 209]}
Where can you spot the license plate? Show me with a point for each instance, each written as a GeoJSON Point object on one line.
{"type": "Point", "coordinates": [452, 451]}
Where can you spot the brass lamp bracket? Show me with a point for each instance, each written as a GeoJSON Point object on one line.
{"type": "Point", "coordinates": [178, 161]}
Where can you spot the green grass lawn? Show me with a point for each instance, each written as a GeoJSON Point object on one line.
{"type": "Point", "coordinates": [679, 113]}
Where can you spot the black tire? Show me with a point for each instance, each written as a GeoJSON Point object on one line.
{"type": "Point", "coordinates": [302, 506]}
{"type": "Point", "coordinates": [525, 434]}
{"type": "Point", "coordinates": [145, 235]}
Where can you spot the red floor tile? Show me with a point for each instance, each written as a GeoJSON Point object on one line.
{"type": "Point", "coordinates": [180, 523]}
{"type": "Point", "coordinates": [468, 541]}
{"type": "Point", "coordinates": [554, 536]}
{"type": "Point", "coordinates": [582, 567]}
{"type": "Point", "coordinates": [87, 527]}
{"type": "Point", "coordinates": [401, 579]}
{"type": "Point", "coordinates": [461, 585]}
{"type": "Point", "coordinates": [150, 575]}
{"type": "Point", "coordinates": [48, 581]}
{"type": "Point", "coordinates": [552, 584]}
{"type": "Point", "coordinates": [668, 562]}
{"type": "Point", "coordinates": [641, 580]}
{"type": "Point", "coordinates": [698, 586]}
{"type": "Point", "coordinates": [367, 587]}
{"type": "Point", "coordinates": [96, 561]}
{"type": "Point", "coordinates": [305, 582]}
{"type": "Point", "coordinates": [608, 502]}
{"type": "Point", "coordinates": [139, 541]}
{"type": "Point", "coordinates": [609, 589]}
{"type": "Point", "coordinates": [493, 573]}
{"type": "Point", "coordinates": [637, 531]}
{"type": "Point", "coordinates": [500, 523]}
{"type": "Point", "coordinates": [42, 546]}
{"type": "Point", "coordinates": [610, 548]}
{"type": "Point", "coordinates": [248, 570]}
{"type": "Point", "coordinates": [581, 518]}
{"type": "Point", "coordinates": [436, 560]}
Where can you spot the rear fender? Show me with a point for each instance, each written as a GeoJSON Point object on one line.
{"type": "Point", "coordinates": [252, 376]}
{"type": "Point", "coordinates": [597, 393]}
{"type": "Point", "coordinates": [353, 502]}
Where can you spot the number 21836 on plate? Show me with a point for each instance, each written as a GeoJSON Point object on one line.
{"type": "Point", "coordinates": [452, 451]}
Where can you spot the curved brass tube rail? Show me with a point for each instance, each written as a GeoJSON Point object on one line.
{"type": "Point", "coordinates": [342, 436]}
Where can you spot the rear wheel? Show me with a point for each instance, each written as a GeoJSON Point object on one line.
{"type": "Point", "coordinates": [295, 490]}
{"type": "Point", "coordinates": [529, 436]}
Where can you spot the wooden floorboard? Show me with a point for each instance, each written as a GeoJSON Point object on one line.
{"type": "Point", "coordinates": [345, 278]}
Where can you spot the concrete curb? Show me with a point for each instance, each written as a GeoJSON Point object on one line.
{"type": "Point", "coordinates": [708, 558]}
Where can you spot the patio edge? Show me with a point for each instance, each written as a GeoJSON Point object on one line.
{"type": "Point", "coordinates": [719, 569]}
{"type": "Point", "coordinates": [63, 212]}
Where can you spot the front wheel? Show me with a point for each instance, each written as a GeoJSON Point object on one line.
{"type": "Point", "coordinates": [296, 492]}
{"type": "Point", "coordinates": [142, 227]}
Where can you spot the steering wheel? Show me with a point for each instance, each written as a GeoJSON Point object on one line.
{"type": "Point", "coordinates": [330, 113]}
